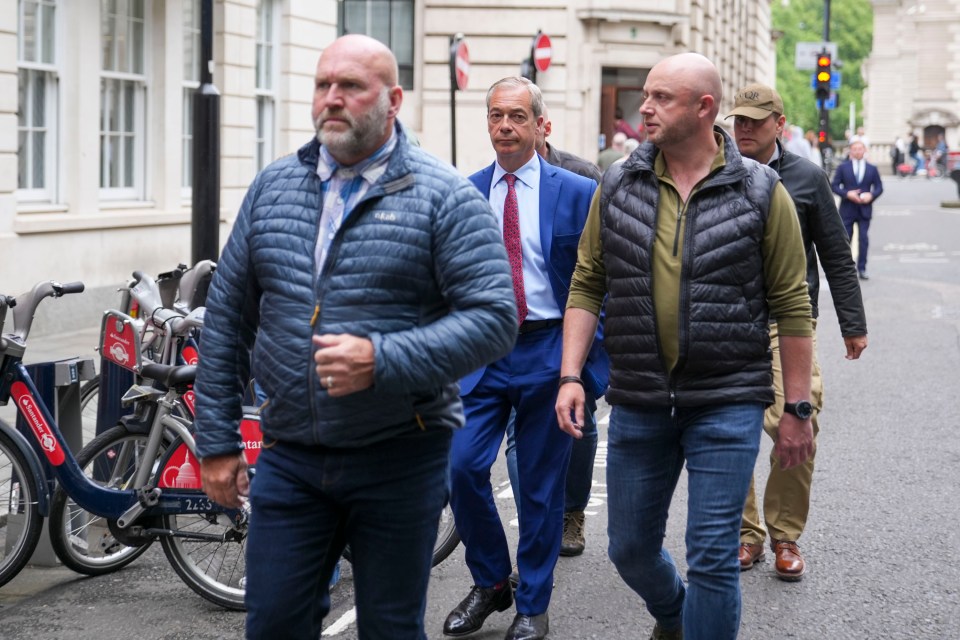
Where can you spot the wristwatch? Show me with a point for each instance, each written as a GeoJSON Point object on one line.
{"type": "Point", "coordinates": [803, 409]}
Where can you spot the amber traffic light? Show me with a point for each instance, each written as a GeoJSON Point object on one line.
{"type": "Point", "coordinates": [824, 75]}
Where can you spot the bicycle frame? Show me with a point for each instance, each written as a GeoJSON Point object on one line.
{"type": "Point", "coordinates": [118, 504]}
{"type": "Point", "coordinates": [123, 505]}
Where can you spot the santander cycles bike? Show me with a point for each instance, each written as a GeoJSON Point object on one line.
{"type": "Point", "coordinates": [183, 289]}
{"type": "Point", "coordinates": [93, 545]}
{"type": "Point", "coordinates": [144, 487]}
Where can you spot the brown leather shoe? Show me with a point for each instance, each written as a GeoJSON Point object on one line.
{"type": "Point", "coordinates": [790, 565]}
{"type": "Point", "coordinates": [751, 554]}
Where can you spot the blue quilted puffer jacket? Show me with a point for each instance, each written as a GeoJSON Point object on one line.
{"type": "Point", "coordinates": [418, 267]}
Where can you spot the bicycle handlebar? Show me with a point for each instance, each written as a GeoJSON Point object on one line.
{"type": "Point", "coordinates": [71, 287]}
{"type": "Point", "coordinates": [25, 305]}
{"type": "Point", "coordinates": [191, 284]}
{"type": "Point", "coordinates": [146, 291]}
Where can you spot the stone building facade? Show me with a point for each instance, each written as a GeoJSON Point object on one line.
{"type": "Point", "coordinates": [95, 95]}
{"type": "Point", "coordinates": [913, 72]}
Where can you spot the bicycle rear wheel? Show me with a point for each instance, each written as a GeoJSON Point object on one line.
{"type": "Point", "coordinates": [20, 519]}
{"type": "Point", "coordinates": [83, 541]}
{"type": "Point", "coordinates": [207, 551]}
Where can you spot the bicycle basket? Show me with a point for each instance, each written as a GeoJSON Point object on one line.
{"type": "Point", "coordinates": [120, 341]}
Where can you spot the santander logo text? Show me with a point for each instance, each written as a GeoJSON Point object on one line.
{"type": "Point", "coordinates": [31, 412]}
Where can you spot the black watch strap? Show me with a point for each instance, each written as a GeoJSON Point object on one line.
{"type": "Point", "coordinates": [803, 409]}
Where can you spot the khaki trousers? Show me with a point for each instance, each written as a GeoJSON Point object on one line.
{"type": "Point", "coordinates": [786, 498]}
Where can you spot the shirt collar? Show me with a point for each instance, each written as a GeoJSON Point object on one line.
{"type": "Point", "coordinates": [776, 154]}
{"type": "Point", "coordinates": [370, 168]}
{"type": "Point", "coordinates": [528, 174]}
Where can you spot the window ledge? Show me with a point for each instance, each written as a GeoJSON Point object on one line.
{"type": "Point", "coordinates": [47, 221]}
{"type": "Point", "coordinates": [31, 208]}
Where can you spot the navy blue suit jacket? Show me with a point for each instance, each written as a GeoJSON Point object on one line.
{"type": "Point", "coordinates": [844, 180]}
{"type": "Point", "coordinates": [564, 204]}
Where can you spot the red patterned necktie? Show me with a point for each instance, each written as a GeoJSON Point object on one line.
{"type": "Point", "coordinates": [511, 238]}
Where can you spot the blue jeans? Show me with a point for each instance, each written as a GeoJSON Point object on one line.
{"type": "Point", "coordinates": [647, 450]}
{"type": "Point", "coordinates": [308, 502]}
{"type": "Point", "coordinates": [580, 470]}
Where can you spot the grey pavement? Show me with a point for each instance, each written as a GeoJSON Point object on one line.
{"type": "Point", "coordinates": [882, 540]}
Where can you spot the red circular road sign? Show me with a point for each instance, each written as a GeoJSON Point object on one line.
{"type": "Point", "coordinates": [542, 52]}
{"type": "Point", "coordinates": [461, 65]}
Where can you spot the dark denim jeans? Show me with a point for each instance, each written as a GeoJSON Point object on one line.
{"type": "Point", "coordinates": [308, 502]}
{"type": "Point", "coordinates": [647, 450]}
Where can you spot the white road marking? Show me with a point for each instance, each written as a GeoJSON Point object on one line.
{"type": "Point", "coordinates": [342, 624]}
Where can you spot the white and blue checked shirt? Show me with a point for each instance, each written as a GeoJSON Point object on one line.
{"type": "Point", "coordinates": [342, 189]}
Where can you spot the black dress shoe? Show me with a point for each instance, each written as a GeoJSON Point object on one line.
{"type": "Point", "coordinates": [468, 616]}
{"type": "Point", "coordinates": [526, 627]}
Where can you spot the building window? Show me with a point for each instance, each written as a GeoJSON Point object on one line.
{"type": "Point", "coordinates": [122, 99]}
{"type": "Point", "coordinates": [266, 83]}
{"type": "Point", "coordinates": [390, 22]}
{"type": "Point", "coordinates": [191, 82]}
{"type": "Point", "coordinates": [37, 101]}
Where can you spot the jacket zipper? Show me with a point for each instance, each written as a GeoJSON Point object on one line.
{"type": "Point", "coordinates": [681, 208]}
{"type": "Point", "coordinates": [311, 370]}
{"type": "Point", "coordinates": [315, 318]}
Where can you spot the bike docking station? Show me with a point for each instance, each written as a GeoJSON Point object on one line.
{"type": "Point", "coordinates": [58, 384]}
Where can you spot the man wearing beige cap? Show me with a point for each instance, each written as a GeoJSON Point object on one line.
{"type": "Point", "coordinates": [758, 123]}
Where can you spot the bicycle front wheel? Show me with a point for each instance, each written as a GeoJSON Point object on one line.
{"type": "Point", "coordinates": [447, 536]}
{"type": "Point", "coordinates": [83, 541]}
{"type": "Point", "coordinates": [20, 519]}
{"type": "Point", "coordinates": [447, 539]}
{"type": "Point", "coordinates": [89, 406]}
{"type": "Point", "coordinates": [207, 551]}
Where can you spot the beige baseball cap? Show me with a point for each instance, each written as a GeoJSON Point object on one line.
{"type": "Point", "coordinates": [756, 101]}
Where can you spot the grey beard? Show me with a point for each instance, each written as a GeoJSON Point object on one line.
{"type": "Point", "coordinates": [363, 135]}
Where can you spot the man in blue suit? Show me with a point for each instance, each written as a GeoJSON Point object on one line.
{"type": "Point", "coordinates": [542, 210]}
{"type": "Point", "coordinates": [857, 182]}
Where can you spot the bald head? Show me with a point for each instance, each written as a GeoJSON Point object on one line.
{"type": "Point", "coordinates": [696, 74]}
{"type": "Point", "coordinates": [373, 53]}
{"type": "Point", "coordinates": [682, 96]}
{"type": "Point", "coordinates": [356, 97]}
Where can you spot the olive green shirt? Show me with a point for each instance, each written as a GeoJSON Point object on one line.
{"type": "Point", "coordinates": [784, 263]}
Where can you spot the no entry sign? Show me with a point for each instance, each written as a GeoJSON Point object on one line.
{"type": "Point", "coordinates": [461, 64]}
{"type": "Point", "coordinates": [542, 52]}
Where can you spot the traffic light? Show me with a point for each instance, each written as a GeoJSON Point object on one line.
{"type": "Point", "coordinates": [824, 75]}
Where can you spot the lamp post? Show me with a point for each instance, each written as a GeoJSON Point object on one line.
{"type": "Point", "coordinates": [205, 218]}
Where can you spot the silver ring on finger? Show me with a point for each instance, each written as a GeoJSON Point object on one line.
{"type": "Point", "coordinates": [329, 382]}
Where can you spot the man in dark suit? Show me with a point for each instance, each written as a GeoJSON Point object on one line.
{"type": "Point", "coordinates": [857, 182]}
{"type": "Point", "coordinates": [542, 209]}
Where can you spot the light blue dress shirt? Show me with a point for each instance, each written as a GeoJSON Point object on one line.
{"type": "Point", "coordinates": [541, 304]}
